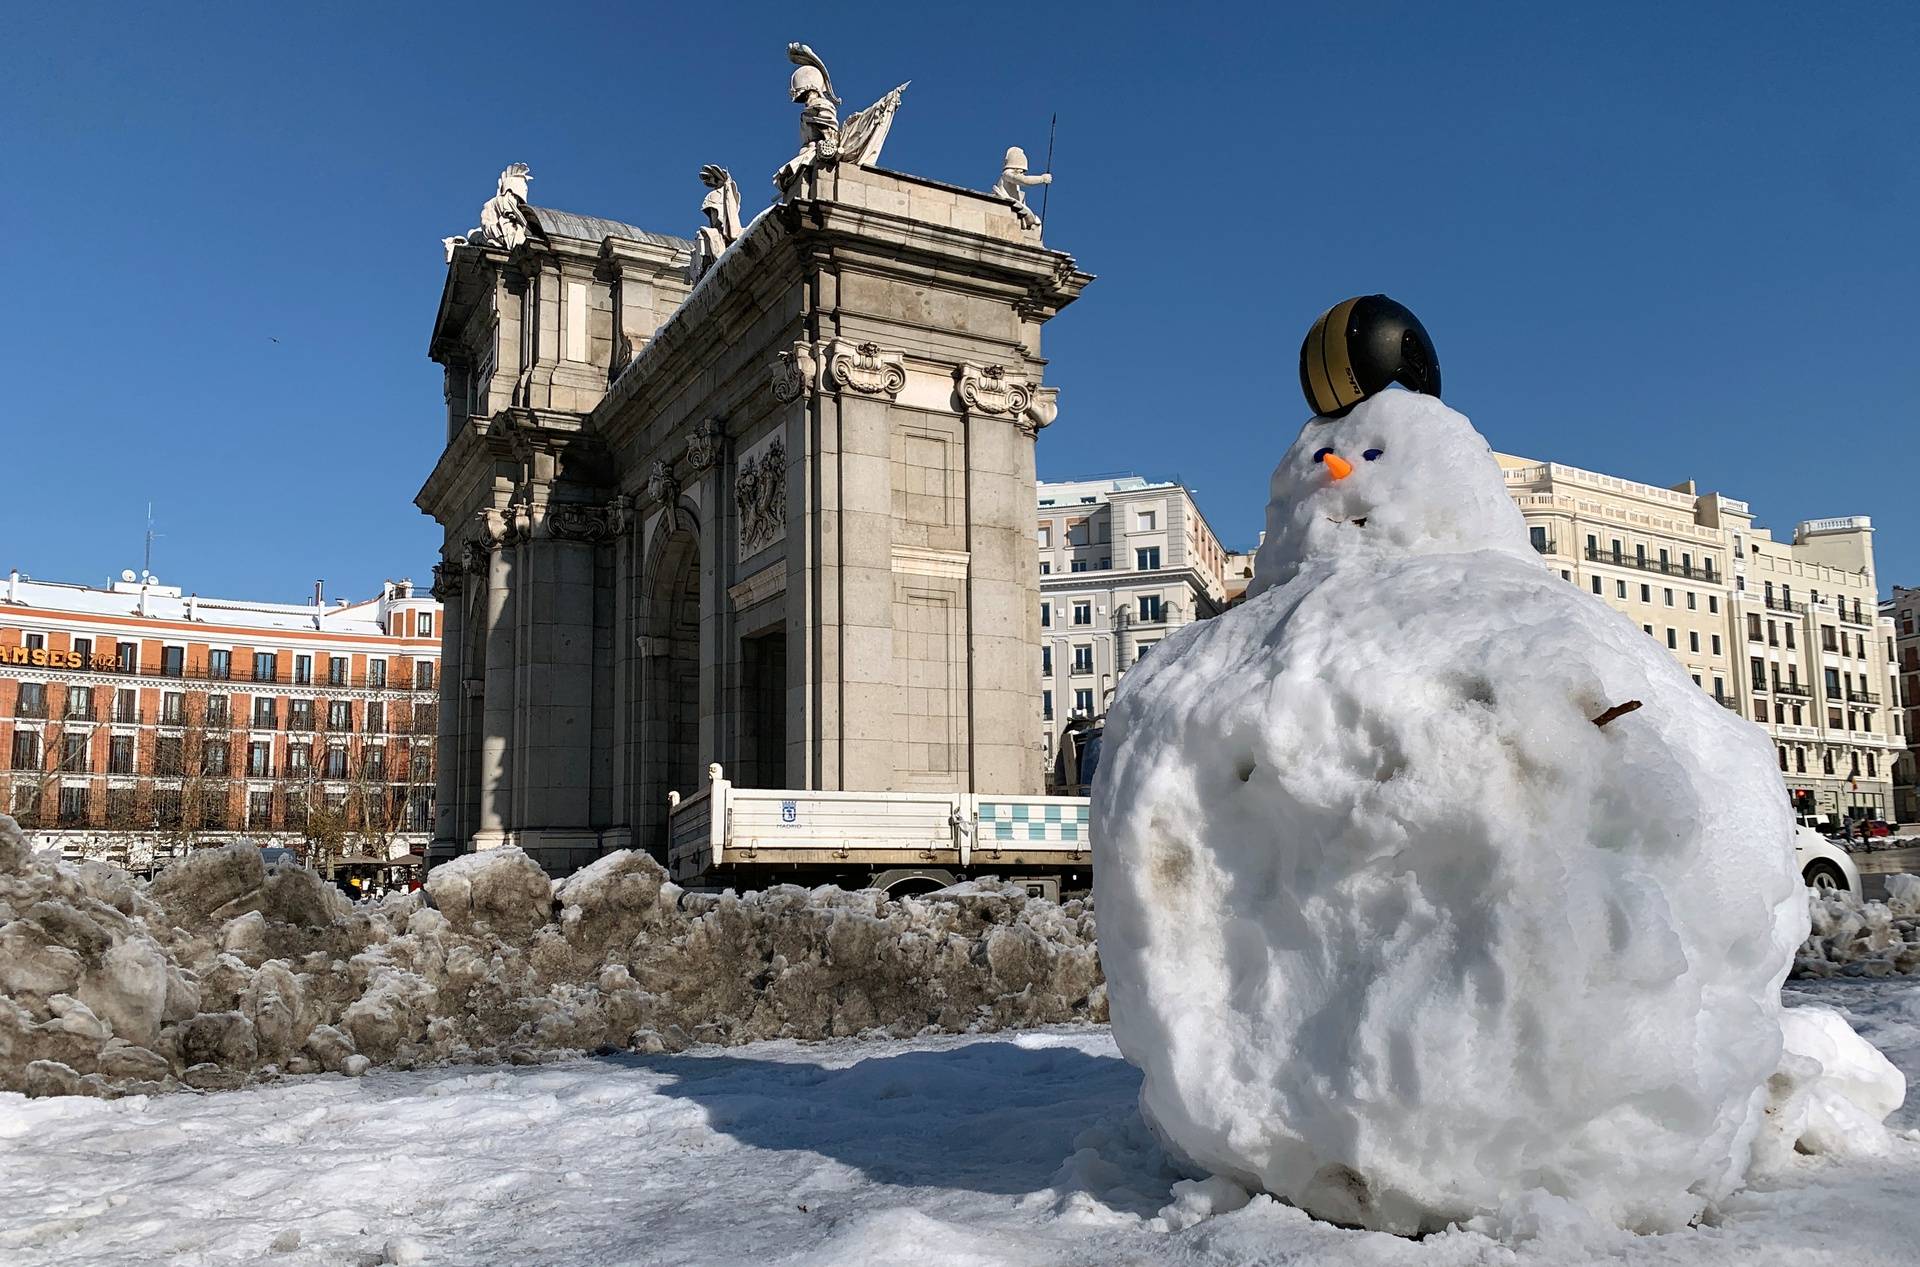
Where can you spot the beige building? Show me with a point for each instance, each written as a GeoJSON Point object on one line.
{"type": "Point", "coordinates": [1123, 563]}
{"type": "Point", "coordinates": [1903, 610]}
{"type": "Point", "coordinates": [1787, 634]}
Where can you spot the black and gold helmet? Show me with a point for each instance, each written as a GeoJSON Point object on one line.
{"type": "Point", "coordinates": [1358, 347]}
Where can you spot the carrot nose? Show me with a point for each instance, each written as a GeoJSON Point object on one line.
{"type": "Point", "coordinates": [1337, 466]}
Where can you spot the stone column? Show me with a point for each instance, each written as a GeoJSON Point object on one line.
{"type": "Point", "coordinates": [498, 702]}
{"type": "Point", "coordinates": [447, 589]}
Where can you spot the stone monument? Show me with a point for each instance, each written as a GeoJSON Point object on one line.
{"type": "Point", "coordinates": [782, 521]}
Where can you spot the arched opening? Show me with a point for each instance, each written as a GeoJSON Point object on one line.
{"type": "Point", "coordinates": [670, 701]}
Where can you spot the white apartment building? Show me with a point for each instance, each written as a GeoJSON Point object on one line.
{"type": "Point", "coordinates": [1903, 610]}
{"type": "Point", "coordinates": [1787, 634]}
{"type": "Point", "coordinates": [1123, 563]}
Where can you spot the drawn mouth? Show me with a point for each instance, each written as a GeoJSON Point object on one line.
{"type": "Point", "coordinates": [1358, 521]}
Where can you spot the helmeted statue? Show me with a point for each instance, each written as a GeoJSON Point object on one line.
{"type": "Point", "coordinates": [503, 217]}
{"type": "Point", "coordinates": [823, 141]}
{"type": "Point", "coordinates": [1013, 183]}
{"type": "Point", "coordinates": [721, 207]}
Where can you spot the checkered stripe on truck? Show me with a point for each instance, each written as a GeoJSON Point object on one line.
{"type": "Point", "coordinates": [1014, 822]}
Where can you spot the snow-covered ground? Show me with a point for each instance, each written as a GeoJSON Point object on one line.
{"type": "Point", "coordinates": [1014, 1148]}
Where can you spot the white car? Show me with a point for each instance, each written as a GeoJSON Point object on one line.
{"type": "Point", "coordinates": [1824, 865]}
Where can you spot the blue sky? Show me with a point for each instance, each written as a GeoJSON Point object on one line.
{"type": "Point", "coordinates": [1662, 241]}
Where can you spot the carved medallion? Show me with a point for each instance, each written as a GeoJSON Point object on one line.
{"type": "Point", "coordinates": [662, 488]}
{"type": "Point", "coordinates": [447, 581]}
{"type": "Point", "coordinates": [760, 495]}
{"type": "Point", "coordinates": [572, 521]}
{"type": "Point", "coordinates": [990, 389]}
{"type": "Point", "coordinates": [703, 446]}
{"type": "Point", "coordinates": [867, 367]}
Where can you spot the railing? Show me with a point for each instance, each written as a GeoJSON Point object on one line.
{"type": "Point", "coordinates": [1621, 558]}
{"type": "Point", "coordinates": [22, 708]}
{"type": "Point", "coordinates": [1862, 697]}
{"type": "Point", "coordinates": [107, 665]}
{"type": "Point", "coordinates": [1855, 617]}
{"type": "Point", "coordinates": [129, 716]}
{"type": "Point", "coordinates": [1727, 702]}
{"type": "Point", "coordinates": [80, 714]}
{"type": "Point", "coordinates": [1792, 688]}
{"type": "Point", "coordinates": [1785, 605]}
{"type": "Point", "coordinates": [1545, 545]}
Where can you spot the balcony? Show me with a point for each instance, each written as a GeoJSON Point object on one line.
{"type": "Point", "coordinates": [31, 708]}
{"type": "Point", "coordinates": [1545, 545]}
{"type": "Point", "coordinates": [1727, 702]}
{"type": "Point", "coordinates": [80, 714]}
{"type": "Point", "coordinates": [264, 722]}
{"type": "Point", "coordinates": [244, 677]}
{"type": "Point", "coordinates": [1792, 688]}
{"type": "Point", "coordinates": [1863, 697]}
{"type": "Point", "coordinates": [1620, 558]}
{"type": "Point", "coordinates": [1785, 605]}
{"type": "Point", "coordinates": [128, 716]}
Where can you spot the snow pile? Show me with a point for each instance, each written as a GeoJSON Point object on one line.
{"type": "Point", "coordinates": [1871, 939]}
{"type": "Point", "coordinates": [223, 970]}
{"type": "Point", "coordinates": [1832, 1093]}
{"type": "Point", "coordinates": [1393, 930]}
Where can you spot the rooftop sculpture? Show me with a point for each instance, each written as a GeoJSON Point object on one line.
{"type": "Point", "coordinates": [721, 207]}
{"type": "Point", "coordinates": [823, 141]}
{"type": "Point", "coordinates": [1013, 183]}
{"type": "Point", "coordinates": [503, 217]}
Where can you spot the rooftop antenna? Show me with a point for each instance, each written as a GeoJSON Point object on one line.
{"type": "Point", "coordinates": [146, 568]}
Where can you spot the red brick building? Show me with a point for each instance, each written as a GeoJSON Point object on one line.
{"type": "Point", "coordinates": [136, 721]}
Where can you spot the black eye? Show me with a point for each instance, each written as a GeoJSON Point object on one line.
{"type": "Point", "coordinates": [1371, 454]}
{"type": "Point", "coordinates": [1322, 455]}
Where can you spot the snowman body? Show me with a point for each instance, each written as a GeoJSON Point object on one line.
{"type": "Point", "coordinates": [1392, 928]}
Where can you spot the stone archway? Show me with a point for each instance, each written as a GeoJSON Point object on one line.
{"type": "Point", "coordinates": [672, 757]}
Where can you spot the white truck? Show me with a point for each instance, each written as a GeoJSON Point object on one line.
{"type": "Point", "coordinates": [903, 842]}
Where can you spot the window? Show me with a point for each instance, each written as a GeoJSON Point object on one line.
{"type": "Point", "coordinates": [1105, 563]}
{"type": "Point", "coordinates": [299, 760]}
{"type": "Point", "coordinates": [120, 754]}
{"type": "Point", "coordinates": [1693, 641]}
{"type": "Point", "coordinates": [374, 764]}
{"type": "Point", "coordinates": [1046, 615]}
{"type": "Point", "coordinates": [34, 641]}
{"type": "Point", "coordinates": [219, 711]}
{"type": "Point", "coordinates": [1789, 632]}
{"type": "Point", "coordinates": [422, 675]}
{"type": "Point", "coordinates": [83, 647]}
{"type": "Point", "coordinates": [263, 714]}
{"type": "Point", "coordinates": [1083, 702]}
{"type": "Point", "coordinates": [1046, 660]}
{"type": "Point", "coordinates": [1833, 683]}
{"type": "Point", "coordinates": [1673, 638]}
{"type": "Point", "coordinates": [1593, 545]}
{"type": "Point", "coordinates": [1760, 710]}
{"type": "Point", "coordinates": [1754, 632]}
{"type": "Point", "coordinates": [1046, 536]}
{"type": "Point", "coordinates": [1719, 688]}
{"type": "Point", "coordinates": [1083, 612]}
{"type": "Point", "coordinates": [426, 625]}
{"type": "Point", "coordinates": [127, 656]}
{"type": "Point", "coordinates": [260, 760]}
{"type": "Point", "coordinates": [1083, 657]}
{"type": "Point", "coordinates": [1827, 642]}
{"type": "Point", "coordinates": [376, 717]}
{"type": "Point", "coordinates": [303, 670]}
{"type": "Point", "coordinates": [259, 809]}
{"type": "Point", "coordinates": [80, 703]}
{"type": "Point", "coordinates": [337, 670]}
{"type": "Point", "coordinates": [1713, 602]}
{"type": "Point", "coordinates": [1596, 585]}
{"type": "Point", "coordinates": [74, 755]}
{"type": "Point", "coordinates": [1538, 536]}
{"type": "Point", "coordinates": [32, 700]}
{"type": "Point", "coordinates": [1146, 520]}
{"type": "Point", "coordinates": [1826, 761]}
{"type": "Point", "coordinates": [266, 666]}
{"type": "Point", "coordinates": [421, 763]}
{"type": "Point", "coordinates": [120, 807]}
{"type": "Point", "coordinates": [173, 661]}
{"type": "Point", "coordinates": [1773, 634]}
{"type": "Point", "coordinates": [1148, 559]}
{"type": "Point", "coordinates": [1693, 601]}
{"type": "Point", "coordinates": [1150, 609]}
{"type": "Point", "coordinates": [173, 708]}
{"type": "Point", "coordinates": [1667, 596]}
{"type": "Point", "coordinates": [126, 706]}
{"type": "Point", "coordinates": [1619, 589]}
{"type": "Point", "coordinates": [1648, 630]}
{"type": "Point", "coordinates": [340, 715]}
{"type": "Point", "coordinates": [1716, 644]}
{"type": "Point", "coordinates": [299, 714]}
{"type": "Point", "coordinates": [1046, 568]}
{"type": "Point", "coordinates": [213, 757]}
{"type": "Point", "coordinates": [376, 673]}
{"type": "Point", "coordinates": [1757, 672]}
{"type": "Point", "coordinates": [1046, 705]}
{"type": "Point", "coordinates": [219, 665]}
{"type": "Point", "coordinates": [1646, 593]}
{"type": "Point", "coordinates": [336, 767]}
{"type": "Point", "coordinates": [1783, 758]}
{"type": "Point", "coordinates": [1140, 650]}
{"type": "Point", "coordinates": [1799, 760]}
{"type": "Point", "coordinates": [168, 760]}
{"type": "Point", "coordinates": [26, 750]}
{"type": "Point", "coordinates": [73, 805]}
{"type": "Point", "coordinates": [1076, 565]}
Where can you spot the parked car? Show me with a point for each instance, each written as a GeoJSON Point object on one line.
{"type": "Point", "coordinates": [1824, 865]}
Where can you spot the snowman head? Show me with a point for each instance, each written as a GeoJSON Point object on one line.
{"type": "Point", "coordinates": [1400, 475]}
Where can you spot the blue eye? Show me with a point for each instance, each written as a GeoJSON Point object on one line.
{"type": "Point", "coordinates": [1322, 455]}
{"type": "Point", "coordinates": [1371, 454]}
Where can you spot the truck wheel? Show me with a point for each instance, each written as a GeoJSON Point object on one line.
{"type": "Point", "coordinates": [1824, 878]}
{"type": "Point", "coordinates": [908, 881]}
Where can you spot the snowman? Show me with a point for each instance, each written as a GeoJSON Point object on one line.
{"type": "Point", "coordinates": [1428, 883]}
